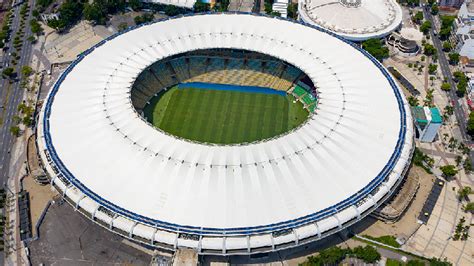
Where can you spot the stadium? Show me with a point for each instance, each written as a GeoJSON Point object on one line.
{"type": "Point", "coordinates": [225, 133]}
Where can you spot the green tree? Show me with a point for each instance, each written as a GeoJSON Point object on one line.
{"type": "Point", "coordinates": [413, 101]}
{"type": "Point", "coordinates": [171, 10]}
{"type": "Point", "coordinates": [411, 3]}
{"type": "Point", "coordinates": [464, 192]}
{"type": "Point", "coordinates": [31, 39]}
{"type": "Point", "coordinates": [454, 58]}
{"type": "Point", "coordinates": [27, 121]}
{"type": "Point", "coordinates": [147, 17]}
{"type": "Point", "coordinates": [432, 69]}
{"type": "Point", "coordinates": [469, 207]}
{"type": "Point", "coordinates": [418, 17]}
{"type": "Point", "coordinates": [122, 26]}
{"type": "Point", "coordinates": [434, 9]}
{"type": "Point", "coordinates": [446, 86]}
{"type": "Point", "coordinates": [375, 48]}
{"type": "Point", "coordinates": [135, 4]}
{"type": "Point", "coordinates": [439, 262]}
{"type": "Point", "coordinates": [368, 254]}
{"type": "Point", "coordinates": [15, 130]}
{"type": "Point", "coordinates": [268, 6]}
{"type": "Point", "coordinates": [425, 27]}
{"type": "Point", "coordinates": [43, 3]}
{"type": "Point", "coordinates": [26, 71]}
{"type": "Point", "coordinates": [461, 88]}
{"type": "Point", "coordinates": [200, 6]}
{"type": "Point", "coordinates": [36, 27]}
{"type": "Point", "coordinates": [8, 72]}
{"type": "Point", "coordinates": [94, 12]}
{"type": "Point", "coordinates": [293, 10]}
{"type": "Point", "coordinates": [447, 46]}
{"type": "Point", "coordinates": [447, 23]}
{"type": "Point", "coordinates": [221, 5]}
{"type": "Point", "coordinates": [69, 13]}
{"type": "Point", "coordinates": [332, 256]}
{"type": "Point", "coordinates": [429, 49]}
{"type": "Point", "coordinates": [449, 170]}
{"type": "Point", "coordinates": [470, 124]}
{"type": "Point", "coordinates": [415, 263]}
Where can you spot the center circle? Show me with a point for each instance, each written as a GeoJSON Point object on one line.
{"type": "Point", "coordinates": [224, 96]}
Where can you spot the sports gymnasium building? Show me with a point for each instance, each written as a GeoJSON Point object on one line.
{"type": "Point", "coordinates": [272, 192]}
{"type": "Point", "coordinates": [355, 20]}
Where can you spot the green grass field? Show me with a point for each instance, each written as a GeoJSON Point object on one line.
{"type": "Point", "coordinates": [224, 117]}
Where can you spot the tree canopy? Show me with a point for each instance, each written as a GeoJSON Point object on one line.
{"type": "Point", "coordinates": [410, 2]}
{"type": "Point", "coordinates": [449, 170]}
{"type": "Point", "coordinates": [454, 58]}
{"type": "Point", "coordinates": [470, 124]}
{"type": "Point", "coordinates": [200, 6]}
{"type": "Point", "coordinates": [69, 13]}
{"type": "Point", "coordinates": [432, 69]}
{"type": "Point", "coordinates": [418, 17]}
{"type": "Point", "coordinates": [446, 86]}
{"type": "Point", "coordinates": [368, 254]}
{"type": "Point", "coordinates": [446, 26]}
{"type": "Point", "coordinates": [293, 10]}
{"type": "Point", "coordinates": [429, 49]}
{"type": "Point", "coordinates": [425, 27]}
{"type": "Point", "coordinates": [376, 48]}
{"type": "Point", "coordinates": [434, 9]}
{"type": "Point", "coordinates": [447, 46]}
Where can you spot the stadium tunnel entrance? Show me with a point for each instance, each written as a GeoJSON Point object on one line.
{"type": "Point", "coordinates": [224, 96]}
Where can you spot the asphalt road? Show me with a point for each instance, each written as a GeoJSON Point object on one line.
{"type": "Point", "coordinates": [444, 66]}
{"type": "Point", "coordinates": [12, 94]}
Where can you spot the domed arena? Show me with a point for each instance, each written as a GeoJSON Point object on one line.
{"type": "Point", "coordinates": [355, 20]}
{"type": "Point", "coordinates": [225, 133]}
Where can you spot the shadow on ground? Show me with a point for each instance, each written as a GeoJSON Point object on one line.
{"type": "Point", "coordinates": [304, 250]}
{"type": "Point", "coordinates": [69, 238]}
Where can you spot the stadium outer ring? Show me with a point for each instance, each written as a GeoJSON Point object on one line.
{"type": "Point", "coordinates": [61, 177]}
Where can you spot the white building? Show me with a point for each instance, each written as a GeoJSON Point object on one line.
{"type": "Point", "coordinates": [466, 12]}
{"type": "Point", "coordinates": [355, 20]}
{"type": "Point", "coordinates": [465, 33]}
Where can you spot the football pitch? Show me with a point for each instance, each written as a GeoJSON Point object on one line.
{"type": "Point", "coordinates": [223, 116]}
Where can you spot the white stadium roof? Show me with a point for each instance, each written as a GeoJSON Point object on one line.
{"type": "Point", "coordinates": [353, 19]}
{"type": "Point", "coordinates": [181, 3]}
{"type": "Point", "coordinates": [341, 163]}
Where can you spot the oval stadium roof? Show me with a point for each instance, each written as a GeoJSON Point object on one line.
{"type": "Point", "coordinates": [101, 153]}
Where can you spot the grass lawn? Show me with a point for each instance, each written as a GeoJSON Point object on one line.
{"type": "Point", "coordinates": [387, 240]}
{"type": "Point", "coordinates": [224, 117]}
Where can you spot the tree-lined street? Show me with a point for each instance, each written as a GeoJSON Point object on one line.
{"type": "Point", "coordinates": [444, 66]}
{"type": "Point", "coordinates": [11, 92]}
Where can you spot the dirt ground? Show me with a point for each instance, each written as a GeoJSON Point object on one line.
{"type": "Point", "coordinates": [407, 225]}
{"type": "Point", "coordinates": [39, 196]}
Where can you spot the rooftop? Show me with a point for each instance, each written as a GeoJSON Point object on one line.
{"type": "Point", "coordinates": [353, 19]}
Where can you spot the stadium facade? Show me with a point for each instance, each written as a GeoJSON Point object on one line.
{"type": "Point", "coordinates": [355, 20]}
{"type": "Point", "coordinates": [299, 187]}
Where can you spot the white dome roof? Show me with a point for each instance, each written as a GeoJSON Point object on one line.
{"type": "Point", "coordinates": [354, 142]}
{"type": "Point", "coordinates": [353, 19]}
